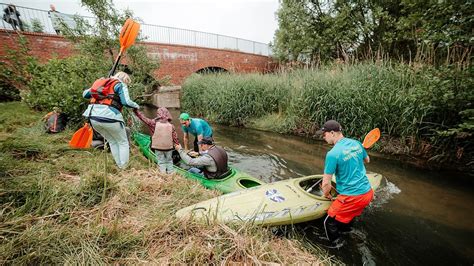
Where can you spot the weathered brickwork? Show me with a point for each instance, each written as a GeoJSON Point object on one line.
{"type": "Point", "coordinates": [176, 61]}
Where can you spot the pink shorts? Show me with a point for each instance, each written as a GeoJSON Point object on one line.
{"type": "Point", "coordinates": [345, 208]}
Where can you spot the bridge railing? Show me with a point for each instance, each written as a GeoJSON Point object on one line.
{"type": "Point", "coordinates": [37, 20]}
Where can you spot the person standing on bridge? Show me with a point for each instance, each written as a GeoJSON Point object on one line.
{"type": "Point", "coordinates": [196, 126]}
{"type": "Point", "coordinates": [346, 161]}
{"type": "Point", "coordinates": [60, 20]}
{"type": "Point", "coordinates": [12, 16]}
{"type": "Point", "coordinates": [164, 137]}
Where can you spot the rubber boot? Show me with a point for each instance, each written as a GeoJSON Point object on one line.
{"type": "Point", "coordinates": [345, 227]}
{"type": "Point", "coordinates": [331, 228]}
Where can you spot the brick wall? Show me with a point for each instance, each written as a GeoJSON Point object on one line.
{"type": "Point", "coordinates": [176, 61]}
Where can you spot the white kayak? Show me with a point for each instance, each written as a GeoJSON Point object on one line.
{"type": "Point", "coordinates": [285, 202]}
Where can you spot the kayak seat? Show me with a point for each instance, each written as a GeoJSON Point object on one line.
{"type": "Point", "coordinates": [226, 174]}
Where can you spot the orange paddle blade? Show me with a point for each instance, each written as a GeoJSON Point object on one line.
{"type": "Point", "coordinates": [128, 34]}
{"type": "Point", "coordinates": [82, 139]}
{"type": "Point", "coordinates": [371, 138]}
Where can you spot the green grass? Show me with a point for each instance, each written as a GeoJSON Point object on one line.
{"type": "Point", "coordinates": [56, 209]}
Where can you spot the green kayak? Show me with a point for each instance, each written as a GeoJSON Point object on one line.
{"type": "Point", "coordinates": [235, 181]}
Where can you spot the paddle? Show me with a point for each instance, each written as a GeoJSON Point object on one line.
{"type": "Point", "coordinates": [82, 138]}
{"type": "Point", "coordinates": [369, 140]}
{"type": "Point", "coordinates": [371, 137]}
{"type": "Point", "coordinates": [128, 34]}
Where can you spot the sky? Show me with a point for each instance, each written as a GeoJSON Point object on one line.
{"type": "Point", "coordinates": [246, 19]}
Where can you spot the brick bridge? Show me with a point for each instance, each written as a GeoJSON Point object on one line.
{"type": "Point", "coordinates": [176, 61]}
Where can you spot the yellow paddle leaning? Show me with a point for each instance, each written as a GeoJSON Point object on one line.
{"type": "Point", "coordinates": [82, 138]}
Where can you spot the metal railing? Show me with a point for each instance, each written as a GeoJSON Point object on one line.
{"type": "Point", "coordinates": [37, 20]}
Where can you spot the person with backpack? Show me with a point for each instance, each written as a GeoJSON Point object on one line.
{"type": "Point", "coordinates": [163, 138]}
{"type": "Point", "coordinates": [107, 98]}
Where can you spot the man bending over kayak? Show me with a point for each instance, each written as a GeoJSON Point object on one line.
{"type": "Point", "coordinates": [346, 161]}
{"type": "Point", "coordinates": [211, 164]}
{"type": "Point", "coordinates": [199, 128]}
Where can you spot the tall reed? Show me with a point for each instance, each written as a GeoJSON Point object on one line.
{"type": "Point", "coordinates": [406, 102]}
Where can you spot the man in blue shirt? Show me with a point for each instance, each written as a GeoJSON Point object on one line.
{"type": "Point", "coordinates": [346, 161]}
{"type": "Point", "coordinates": [199, 128]}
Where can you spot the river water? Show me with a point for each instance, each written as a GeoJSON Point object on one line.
{"type": "Point", "coordinates": [417, 217]}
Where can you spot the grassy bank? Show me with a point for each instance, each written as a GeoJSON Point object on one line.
{"type": "Point", "coordinates": [422, 112]}
{"type": "Point", "coordinates": [67, 206]}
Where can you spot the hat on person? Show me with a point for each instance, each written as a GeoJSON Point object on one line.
{"type": "Point", "coordinates": [330, 125]}
{"type": "Point", "coordinates": [184, 116]}
{"type": "Point", "coordinates": [206, 140]}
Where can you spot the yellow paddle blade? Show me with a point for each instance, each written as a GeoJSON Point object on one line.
{"type": "Point", "coordinates": [82, 138]}
{"type": "Point", "coordinates": [128, 34]}
{"type": "Point", "coordinates": [371, 138]}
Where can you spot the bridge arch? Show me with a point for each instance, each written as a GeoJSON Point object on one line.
{"type": "Point", "coordinates": [212, 69]}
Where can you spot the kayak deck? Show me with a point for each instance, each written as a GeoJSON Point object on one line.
{"type": "Point", "coordinates": [284, 202]}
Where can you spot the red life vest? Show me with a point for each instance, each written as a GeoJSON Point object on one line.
{"type": "Point", "coordinates": [102, 92]}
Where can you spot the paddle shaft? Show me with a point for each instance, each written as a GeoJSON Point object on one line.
{"type": "Point", "coordinates": [112, 71]}
{"type": "Point", "coordinates": [311, 188]}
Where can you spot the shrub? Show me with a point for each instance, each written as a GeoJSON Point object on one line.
{"type": "Point", "coordinates": [36, 25]}
{"type": "Point", "coordinates": [60, 82]}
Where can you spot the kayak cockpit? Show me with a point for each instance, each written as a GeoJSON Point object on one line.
{"type": "Point", "coordinates": [248, 183]}
{"type": "Point", "coordinates": [312, 185]}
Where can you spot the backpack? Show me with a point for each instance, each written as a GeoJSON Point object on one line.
{"type": "Point", "coordinates": [55, 122]}
{"type": "Point", "coordinates": [103, 88]}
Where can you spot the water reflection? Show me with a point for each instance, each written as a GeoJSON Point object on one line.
{"type": "Point", "coordinates": [418, 217]}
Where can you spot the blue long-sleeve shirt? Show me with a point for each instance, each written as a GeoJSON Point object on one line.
{"type": "Point", "coordinates": [106, 112]}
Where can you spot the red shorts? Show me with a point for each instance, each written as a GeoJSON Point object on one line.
{"type": "Point", "coordinates": [345, 208]}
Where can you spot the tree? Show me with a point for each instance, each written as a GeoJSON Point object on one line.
{"type": "Point", "coordinates": [318, 30]}
{"type": "Point", "coordinates": [60, 82]}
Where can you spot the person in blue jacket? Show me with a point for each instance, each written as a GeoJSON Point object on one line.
{"type": "Point", "coordinates": [199, 128]}
{"type": "Point", "coordinates": [106, 118]}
